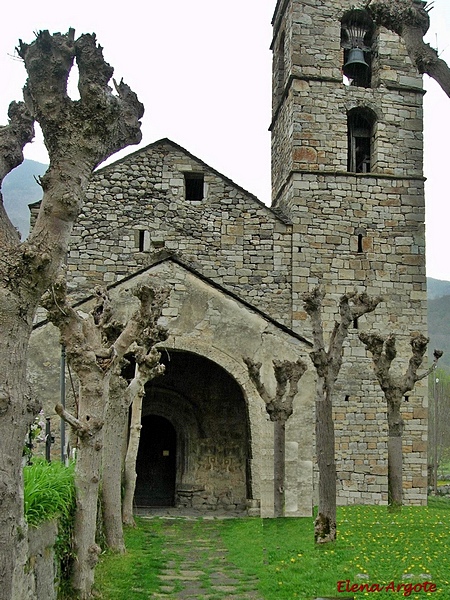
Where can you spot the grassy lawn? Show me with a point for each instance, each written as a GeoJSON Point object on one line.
{"type": "Point", "coordinates": [375, 547]}
{"type": "Point", "coordinates": [133, 575]}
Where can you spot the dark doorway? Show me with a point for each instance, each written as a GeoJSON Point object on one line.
{"type": "Point", "coordinates": [156, 463]}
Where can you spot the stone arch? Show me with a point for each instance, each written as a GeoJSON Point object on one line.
{"type": "Point", "coordinates": [361, 122]}
{"type": "Point", "coordinates": [357, 31]}
{"type": "Point", "coordinates": [258, 420]}
{"type": "Point", "coordinates": [179, 411]}
{"type": "Point", "coordinates": [214, 440]}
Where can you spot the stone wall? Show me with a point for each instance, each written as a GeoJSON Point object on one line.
{"type": "Point", "coordinates": [247, 263]}
{"type": "Point", "coordinates": [361, 231]}
{"type": "Point", "coordinates": [136, 207]}
{"type": "Point", "coordinates": [224, 435]}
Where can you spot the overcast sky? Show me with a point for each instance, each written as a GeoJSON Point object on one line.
{"type": "Point", "coordinates": [202, 68]}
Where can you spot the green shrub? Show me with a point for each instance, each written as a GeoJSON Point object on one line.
{"type": "Point", "coordinates": [49, 491]}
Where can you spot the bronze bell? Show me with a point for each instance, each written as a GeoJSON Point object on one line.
{"type": "Point", "coordinates": [356, 66]}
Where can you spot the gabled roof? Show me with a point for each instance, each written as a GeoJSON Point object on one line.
{"type": "Point", "coordinates": [167, 142]}
{"type": "Point", "coordinates": [167, 257]}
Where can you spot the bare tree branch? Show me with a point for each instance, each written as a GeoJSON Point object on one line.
{"type": "Point", "coordinates": [13, 138]}
{"type": "Point", "coordinates": [410, 20]}
{"type": "Point", "coordinates": [383, 350]}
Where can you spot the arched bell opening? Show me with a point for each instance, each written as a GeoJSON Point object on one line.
{"type": "Point", "coordinates": [357, 30]}
{"type": "Point", "coordinates": [360, 132]}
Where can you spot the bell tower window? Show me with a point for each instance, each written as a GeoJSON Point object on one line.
{"type": "Point", "coordinates": [360, 137]}
{"type": "Point", "coordinates": [357, 30]}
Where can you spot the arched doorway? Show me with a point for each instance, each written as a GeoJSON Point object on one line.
{"type": "Point", "coordinates": [156, 463]}
{"type": "Point", "coordinates": [206, 406]}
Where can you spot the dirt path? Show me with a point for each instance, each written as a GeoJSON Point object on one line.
{"type": "Point", "coordinates": [198, 566]}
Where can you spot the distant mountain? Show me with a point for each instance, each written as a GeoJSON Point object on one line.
{"type": "Point", "coordinates": [439, 328]}
{"type": "Point", "coordinates": [437, 288]}
{"type": "Point", "coordinates": [20, 189]}
{"type": "Point", "coordinates": [439, 319]}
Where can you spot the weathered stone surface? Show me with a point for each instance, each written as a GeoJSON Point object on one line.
{"type": "Point", "coordinates": [237, 270]}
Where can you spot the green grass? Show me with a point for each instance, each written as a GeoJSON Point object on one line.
{"type": "Point", "coordinates": [49, 491]}
{"type": "Point", "coordinates": [134, 574]}
{"type": "Point", "coordinates": [374, 546]}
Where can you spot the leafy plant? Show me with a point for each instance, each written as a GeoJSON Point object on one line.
{"type": "Point", "coordinates": [49, 493]}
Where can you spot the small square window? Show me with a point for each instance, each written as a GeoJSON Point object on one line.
{"type": "Point", "coordinates": [194, 186]}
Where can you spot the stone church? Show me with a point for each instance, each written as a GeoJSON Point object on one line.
{"type": "Point", "coordinates": [347, 213]}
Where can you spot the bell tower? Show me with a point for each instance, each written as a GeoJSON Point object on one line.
{"type": "Point", "coordinates": [347, 168]}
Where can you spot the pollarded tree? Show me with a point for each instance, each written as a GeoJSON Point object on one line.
{"type": "Point", "coordinates": [395, 387]}
{"type": "Point", "coordinates": [147, 368]}
{"type": "Point", "coordinates": [279, 408]}
{"type": "Point", "coordinates": [328, 364]}
{"type": "Point", "coordinates": [410, 20]}
{"type": "Point", "coordinates": [95, 346]}
{"type": "Point", "coordinates": [121, 441]}
{"type": "Point", "coordinates": [79, 135]}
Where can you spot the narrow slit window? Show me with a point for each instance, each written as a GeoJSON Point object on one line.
{"type": "Point", "coordinates": [143, 240]}
{"type": "Point", "coordinates": [281, 70]}
{"type": "Point", "coordinates": [360, 243]}
{"type": "Point", "coordinates": [355, 324]}
{"type": "Point", "coordinates": [194, 186]}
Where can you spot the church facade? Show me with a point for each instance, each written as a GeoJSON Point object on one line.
{"type": "Point", "coordinates": [347, 213]}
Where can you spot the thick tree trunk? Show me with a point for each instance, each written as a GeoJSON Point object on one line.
{"type": "Point", "coordinates": [114, 448]}
{"type": "Point", "coordinates": [130, 462]}
{"type": "Point", "coordinates": [325, 523]}
{"type": "Point", "coordinates": [93, 388]}
{"type": "Point", "coordinates": [384, 352]}
{"type": "Point", "coordinates": [279, 446]}
{"type": "Point", "coordinates": [395, 454]}
{"type": "Point", "coordinates": [328, 364]}
{"type": "Point", "coordinates": [17, 412]}
{"type": "Point", "coordinates": [79, 135]}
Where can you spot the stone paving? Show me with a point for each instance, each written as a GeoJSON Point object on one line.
{"type": "Point", "coordinates": [197, 564]}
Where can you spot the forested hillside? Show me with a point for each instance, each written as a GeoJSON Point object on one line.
{"type": "Point", "coordinates": [439, 319]}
